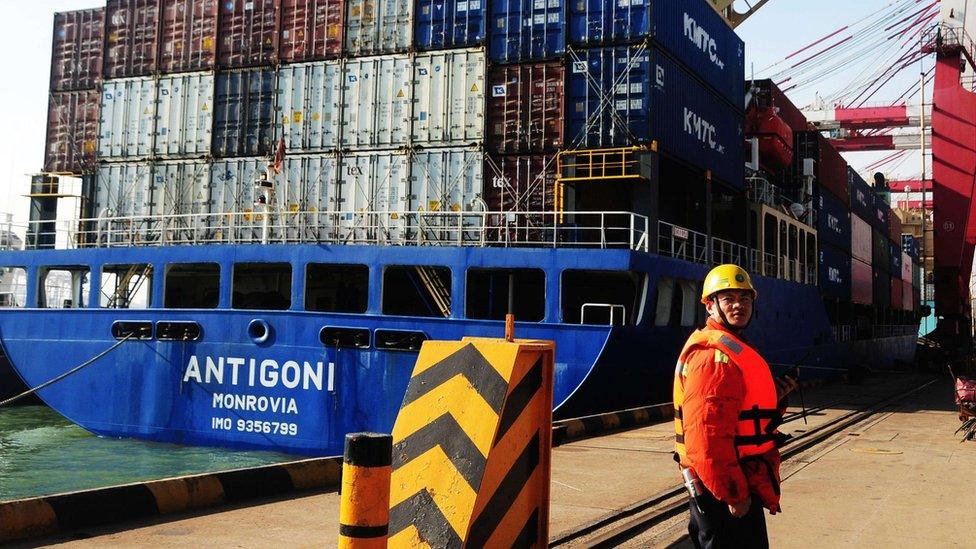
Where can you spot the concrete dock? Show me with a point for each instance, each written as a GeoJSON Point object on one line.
{"type": "Point", "coordinates": [901, 479]}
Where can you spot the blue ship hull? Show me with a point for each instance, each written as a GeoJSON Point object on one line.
{"type": "Point", "coordinates": [292, 393]}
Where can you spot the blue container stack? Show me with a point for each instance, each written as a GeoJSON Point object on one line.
{"type": "Point", "coordinates": [663, 71]}
{"type": "Point", "coordinates": [526, 30]}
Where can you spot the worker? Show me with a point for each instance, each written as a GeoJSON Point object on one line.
{"type": "Point", "coordinates": [727, 408]}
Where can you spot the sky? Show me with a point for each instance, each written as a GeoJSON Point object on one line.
{"type": "Point", "coordinates": [779, 27]}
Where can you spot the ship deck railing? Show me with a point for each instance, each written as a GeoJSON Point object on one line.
{"type": "Point", "coordinates": [605, 229]}
{"type": "Point", "coordinates": [697, 247]}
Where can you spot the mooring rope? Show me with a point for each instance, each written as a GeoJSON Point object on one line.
{"type": "Point", "coordinates": [66, 374]}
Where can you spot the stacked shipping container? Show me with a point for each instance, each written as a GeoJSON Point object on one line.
{"type": "Point", "coordinates": [197, 92]}
{"type": "Point", "coordinates": [76, 71]}
{"type": "Point", "coordinates": [397, 99]}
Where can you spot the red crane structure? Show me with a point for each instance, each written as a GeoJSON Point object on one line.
{"type": "Point", "coordinates": [911, 29]}
{"type": "Point", "coordinates": [953, 170]}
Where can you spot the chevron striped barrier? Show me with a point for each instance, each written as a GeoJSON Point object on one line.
{"type": "Point", "coordinates": [471, 446]}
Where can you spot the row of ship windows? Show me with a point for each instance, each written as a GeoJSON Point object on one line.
{"type": "Point", "coordinates": [586, 296]}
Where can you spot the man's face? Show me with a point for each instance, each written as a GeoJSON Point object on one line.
{"type": "Point", "coordinates": [736, 304]}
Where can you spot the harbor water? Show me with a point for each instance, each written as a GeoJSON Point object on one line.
{"type": "Point", "coordinates": [42, 453]}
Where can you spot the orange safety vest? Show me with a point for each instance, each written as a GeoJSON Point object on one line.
{"type": "Point", "coordinates": [755, 432]}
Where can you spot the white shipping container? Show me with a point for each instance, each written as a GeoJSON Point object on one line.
{"type": "Point", "coordinates": [123, 190]}
{"type": "Point", "coordinates": [181, 188]}
{"type": "Point", "coordinates": [449, 97]}
{"type": "Point", "coordinates": [446, 180]}
{"type": "Point", "coordinates": [308, 106]}
{"type": "Point", "coordinates": [906, 269]}
{"type": "Point", "coordinates": [126, 123]}
{"type": "Point", "coordinates": [232, 184]}
{"type": "Point", "coordinates": [372, 182]}
{"type": "Point", "coordinates": [309, 184]}
{"type": "Point", "coordinates": [860, 239]}
{"type": "Point", "coordinates": [378, 26]}
{"type": "Point", "coordinates": [376, 105]}
{"type": "Point", "coordinates": [442, 182]}
{"type": "Point", "coordinates": [184, 115]}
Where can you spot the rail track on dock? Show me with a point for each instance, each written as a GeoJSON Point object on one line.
{"type": "Point", "coordinates": [663, 510]}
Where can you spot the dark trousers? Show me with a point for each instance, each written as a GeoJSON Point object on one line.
{"type": "Point", "coordinates": [714, 527]}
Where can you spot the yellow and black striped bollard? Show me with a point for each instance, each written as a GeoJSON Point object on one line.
{"type": "Point", "coordinates": [364, 508]}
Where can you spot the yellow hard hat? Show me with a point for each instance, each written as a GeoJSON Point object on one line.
{"type": "Point", "coordinates": [727, 277]}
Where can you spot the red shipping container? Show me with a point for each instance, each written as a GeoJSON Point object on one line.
{"type": "Point", "coordinates": [76, 53]}
{"type": "Point", "coordinates": [894, 228]}
{"type": "Point", "coordinates": [525, 107]}
{"type": "Point", "coordinates": [907, 294]}
{"type": "Point", "coordinates": [897, 298]}
{"type": "Point", "coordinates": [520, 183]}
{"type": "Point", "coordinates": [516, 185]}
{"type": "Point", "coordinates": [830, 168]}
{"type": "Point", "coordinates": [72, 132]}
{"type": "Point", "coordinates": [131, 37]}
{"type": "Point", "coordinates": [248, 31]}
{"type": "Point", "coordinates": [188, 36]}
{"type": "Point", "coordinates": [311, 30]}
{"type": "Point", "coordinates": [786, 109]}
{"type": "Point", "coordinates": [862, 282]}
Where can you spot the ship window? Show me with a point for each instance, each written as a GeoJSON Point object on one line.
{"type": "Point", "coordinates": [192, 286]}
{"type": "Point", "coordinates": [811, 252]}
{"type": "Point", "coordinates": [265, 286]}
{"type": "Point", "coordinates": [336, 288]}
{"type": "Point", "coordinates": [13, 287]}
{"type": "Point", "coordinates": [769, 245]}
{"type": "Point", "coordinates": [665, 293]}
{"type": "Point", "coordinates": [688, 302]}
{"type": "Point", "coordinates": [487, 294]}
{"type": "Point", "coordinates": [126, 286]}
{"type": "Point", "coordinates": [753, 235]}
{"type": "Point", "coordinates": [599, 297]}
{"type": "Point", "coordinates": [794, 242]}
{"type": "Point", "coordinates": [417, 290]}
{"type": "Point", "coordinates": [64, 287]}
{"type": "Point", "coordinates": [783, 240]}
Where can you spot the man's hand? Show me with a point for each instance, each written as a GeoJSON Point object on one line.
{"type": "Point", "coordinates": [740, 510]}
{"type": "Point", "coordinates": [784, 386]}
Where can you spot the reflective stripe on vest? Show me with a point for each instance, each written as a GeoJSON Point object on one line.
{"type": "Point", "coordinates": [758, 418]}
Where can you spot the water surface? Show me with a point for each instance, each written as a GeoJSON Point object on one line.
{"type": "Point", "coordinates": [42, 453]}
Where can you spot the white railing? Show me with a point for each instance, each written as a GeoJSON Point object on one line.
{"type": "Point", "coordinates": [681, 243]}
{"type": "Point", "coordinates": [505, 229]}
{"type": "Point", "coordinates": [611, 308]}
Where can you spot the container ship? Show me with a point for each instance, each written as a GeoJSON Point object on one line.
{"type": "Point", "coordinates": [283, 199]}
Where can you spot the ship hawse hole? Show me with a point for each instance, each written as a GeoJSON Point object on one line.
{"type": "Point", "coordinates": [264, 286]}
{"type": "Point", "coordinates": [487, 294]}
{"type": "Point", "coordinates": [606, 290]}
{"type": "Point", "coordinates": [126, 286]}
{"type": "Point", "coordinates": [13, 287]}
{"type": "Point", "coordinates": [417, 290]}
{"type": "Point", "coordinates": [64, 287]}
{"type": "Point", "coordinates": [336, 288]}
{"type": "Point", "coordinates": [192, 286]}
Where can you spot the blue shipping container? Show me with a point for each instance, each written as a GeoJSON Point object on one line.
{"type": "Point", "coordinates": [895, 259]}
{"type": "Point", "coordinates": [689, 30]}
{"type": "Point", "coordinates": [447, 24]}
{"type": "Point", "coordinates": [882, 212]}
{"type": "Point", "coordinates": [834, 272]}
{"type": "Point", "coordinates": [244, 113]}
{"type": "Point", "coordinates": [630, 95]}
{"type": "Point", "coordinates": [526, 30]}
{"type": "Point", "coordinates": [833, 221]}
{"type": "Point", "coordinates": [909, 244]}
{"type": "Point", "coordinates": [862, 196]}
